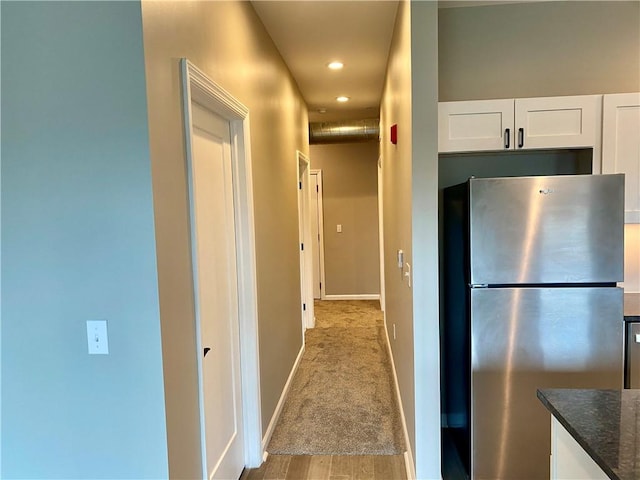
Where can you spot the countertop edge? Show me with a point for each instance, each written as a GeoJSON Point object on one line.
{"type": "Point", "coordinates": [576, 435]}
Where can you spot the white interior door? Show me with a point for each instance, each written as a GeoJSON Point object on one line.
{"type": "Point", "coordinates": [315, 210]}
{"type": "Point", "coordinates": [304, 222]}
{"type": "Point", "coordinates": [216, 293]}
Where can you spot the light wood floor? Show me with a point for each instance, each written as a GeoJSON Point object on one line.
{"type": "Point", "coordinates": [329, 467]}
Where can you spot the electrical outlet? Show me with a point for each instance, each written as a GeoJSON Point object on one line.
{"type": "Point", "coordinates": [407, 274]}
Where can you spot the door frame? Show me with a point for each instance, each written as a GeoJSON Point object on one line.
{"type": "Point", "coordinates": [320, 214]}
{"type": "Point", "coordinates": [196, 86]}
{"type": "Point", "coordinates": [304, 232]}
{"type": "Point", "coordinates": [381, 233]}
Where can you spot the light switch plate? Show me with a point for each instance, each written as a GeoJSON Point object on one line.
{"type": "Point", "coordinates": [97, 339]}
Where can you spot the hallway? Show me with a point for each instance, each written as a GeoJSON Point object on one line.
{"type": "Point", "coordinates": [340, 419]}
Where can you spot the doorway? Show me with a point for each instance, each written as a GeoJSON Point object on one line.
{"type": "Point", "coordinates": [224, 275]}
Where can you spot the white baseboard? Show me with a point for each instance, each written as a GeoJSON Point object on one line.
{"type": "Point", "coordinates": [408, 465]}
{"type": "Point", "coordinates": [364, 296]}
{"type": "Point", "coordinates": [278, 410]}
{"type": "Point", "coordinates": [408, 454]}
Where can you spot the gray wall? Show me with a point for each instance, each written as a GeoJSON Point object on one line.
{"type": "Point", "coordinates": [424, 233]}
{"type": "Point", "coordinates": [539, 49]}
{"type": "Point", "coordinates": [350, 198]}
{"type": "Point", "coordinates": [78, 244]}
{"type": "Point", "coordinates": [410, 186]}
{"type": "Point", "coordinates": [229, 43]}
{"type": "Point", "coordinates": [457, 168]}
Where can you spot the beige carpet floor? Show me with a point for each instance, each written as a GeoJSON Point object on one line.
{"type": "Point", "coordinates": [341, 400]}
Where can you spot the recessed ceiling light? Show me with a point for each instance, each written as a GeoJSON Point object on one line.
{"type": "Point", "coordinates": [335, 65]}
{"type": "Point", "coordinates": [322, 110]}
{"type": "Point", "coordinates": [342, 99]}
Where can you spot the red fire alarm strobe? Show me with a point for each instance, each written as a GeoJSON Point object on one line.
{"type": "Point", "coordinates": [394, 134]}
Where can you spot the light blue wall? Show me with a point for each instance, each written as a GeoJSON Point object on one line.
{"type": "Point", "coordinates": [78, 244]}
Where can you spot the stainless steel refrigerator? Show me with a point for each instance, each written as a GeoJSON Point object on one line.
{"type": "Point", "coordinates": [530, 301]}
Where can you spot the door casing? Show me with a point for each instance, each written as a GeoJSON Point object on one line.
{"type": "Point", "coordinates": [196, 86]}
{"type": "Point", "coordinates": [319, 213]}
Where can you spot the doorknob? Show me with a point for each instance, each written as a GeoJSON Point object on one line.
{"type": "Point", "coordinates": [206, 350]}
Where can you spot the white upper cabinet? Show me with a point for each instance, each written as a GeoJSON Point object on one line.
{"type": "Point", "coordinates": [558, 122]}
{"type": "Point", "coordinates": [621, 146]}
{"type": "Point", "coordinates": [475, 125]}
{"type": "Point", "coordinates": [523, 123]}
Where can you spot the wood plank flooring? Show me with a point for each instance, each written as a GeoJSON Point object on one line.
{"type": "Point", "coordinates": [329, 467]}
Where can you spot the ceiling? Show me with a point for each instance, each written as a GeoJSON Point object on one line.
{"type": "Point", "coordinates": [310, 33]}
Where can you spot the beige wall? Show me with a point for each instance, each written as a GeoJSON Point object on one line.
{"type": "Point", "coordinates": [632, 258]}
{"type": "Point", "coordinates": [396, 159]}
{"type": "Point", "coordinates": [350, 198]}
{"type": "Point", "coordinates": [227, 41]}
{"type": "Point", "coordinates": [410, 203]}
{"type": "Point", "coordinates": [539, 49]}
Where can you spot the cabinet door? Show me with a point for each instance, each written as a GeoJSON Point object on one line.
{"type": "Point", "coordinates": [632, 358]}
{"type": "Point", "coordinates": [558, 122]}
{"type": "Point", "coordinates": [475, 125]}
{"type": "Point", "coordinates": [621, 146]}
{"type": "Point", "coordinates": [568, 459]}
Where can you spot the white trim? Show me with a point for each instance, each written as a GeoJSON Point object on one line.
{"type": "Point", "coordinates": [304, 232]}
{"type": "Point", "coordinates": [196, 86]}
{"type": "Point", "coordinates": [320, 212]}
{"type": "Point", "coordinates": [408, 466]}
{"type": "Point", "coordinates": [408, 454]}
{"type": "Point", "coordinates": [283, 397]}
{"type": "Point", "coordinates": [364, 296]}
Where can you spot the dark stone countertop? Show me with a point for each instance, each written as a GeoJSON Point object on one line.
{"type": "Point", "coordinates": [606, 423]}
{"type": "Point", "coordinates": [632, 307]}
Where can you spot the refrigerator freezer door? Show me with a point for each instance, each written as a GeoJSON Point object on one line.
{"type": "Point", "coordinates": [632, 377]}
{"type": "Point", "coordinates": [533, 230]}
{"type": "Point", "coordinates": [530, 338]}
